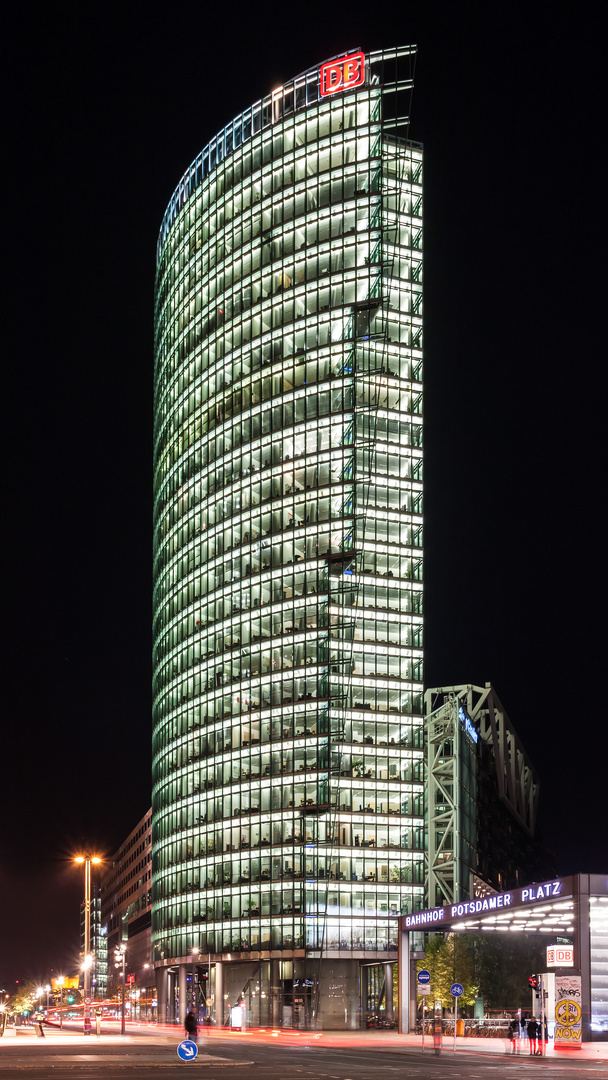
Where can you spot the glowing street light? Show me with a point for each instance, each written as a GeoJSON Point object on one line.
{"type": "Point", "coordinates": [86, 861]}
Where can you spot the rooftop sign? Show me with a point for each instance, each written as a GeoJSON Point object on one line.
{"type": "Point", "coordinates": [342, 74]}
{"type": "Point", "coordinates": [467, 724]}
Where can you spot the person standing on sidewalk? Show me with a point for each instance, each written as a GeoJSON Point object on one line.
{"type": "Point", "coordinates": [513, 1034]}
{"type": "Point", "coordinates": [191, 1027]}
{"type": "Point", "coordinates": [532, 1030]}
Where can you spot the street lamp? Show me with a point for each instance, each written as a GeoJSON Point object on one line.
{"type": "Point", "coordinates": [48, 990]}
{"type": "Point", "coordinates": [86, 860]}
{"type": "Point", "coordinates": [60, 982]}
{"type": "Point", "coordinates": [119, 958]}
{"type": "Point", "coordinates": [39, 993]}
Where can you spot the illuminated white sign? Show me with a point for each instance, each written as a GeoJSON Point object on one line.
{"type": "Point", "coordinates": [497, 901]}
{"type": "Point", "coordinates": [422, 918]}
{"type": "Point", "coordinates": [467, 723]}
{"type": "Point", "coordinates": [541, 892]}
{"type": "Point", "coordinates": [560, 955]}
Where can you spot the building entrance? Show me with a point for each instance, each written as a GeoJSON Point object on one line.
{"type": "Point", "coordinates": [573, 907]}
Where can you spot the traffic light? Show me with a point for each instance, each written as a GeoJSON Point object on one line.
{"type": "Point", "coordinates": [534, 981]}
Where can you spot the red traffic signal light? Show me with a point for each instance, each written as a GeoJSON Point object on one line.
{"type": "Point", "coordinates": [534, 981]}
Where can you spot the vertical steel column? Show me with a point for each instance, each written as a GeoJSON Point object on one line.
{"type": "Point", "coordinates": [182, 1002]}
{"type": "Point", "coordinates": [219, 994]}
{"type": "Point", "coordinates": [404, 982]}
{"type": "Point", "coordinates": [388, 991]}
{"type": "Point", "coordinates": [275, 993]}
{"type": "Point", "coordinates": [582, 946]}
{"type": "Point", "coordinates": [171, 997]}
{"type": "Point", "coordinates": [161, 995]}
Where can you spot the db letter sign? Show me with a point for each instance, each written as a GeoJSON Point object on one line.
{"type": "Point", "coordinates": [560, 956]}
{"type": "Point", "coordinates": [343, 74]}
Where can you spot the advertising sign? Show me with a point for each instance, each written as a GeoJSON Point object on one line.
{"type": "Point", "coordinates": [568, 1011]}
{"type": "Point", "coordinates": [342, 74]}
{"type": "Point", "coordinates": [560, 955]}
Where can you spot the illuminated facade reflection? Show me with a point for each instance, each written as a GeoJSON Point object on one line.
{"type": "Point", "coordinates": [288, 604]}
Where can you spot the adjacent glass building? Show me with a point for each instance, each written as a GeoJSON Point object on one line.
{"type": "Point", "coordinates": [288, 582]}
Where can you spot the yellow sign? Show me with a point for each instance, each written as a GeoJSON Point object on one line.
{"type": "Point", "coordinates": [568, 1012]}
{"type": "Point", "coordinates": [70, 982]}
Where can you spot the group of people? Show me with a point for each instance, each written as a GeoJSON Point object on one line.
{"type": "Point", "coordinates": [535, 1031]}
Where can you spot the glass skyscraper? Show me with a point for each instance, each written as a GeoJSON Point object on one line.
{"type": "Point", "coordinates": [288, 584]}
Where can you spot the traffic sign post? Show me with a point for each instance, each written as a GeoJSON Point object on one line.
{"type": "Point", "coordinates": [456, 990]}
{"type": "Point", "coordinates": [424, 988]}
{"type": "Point", "coordinates": [187, 1050]}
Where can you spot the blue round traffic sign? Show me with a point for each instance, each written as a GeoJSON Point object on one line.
{"type": "Point", "coordinates": [187, 1050]}
{"type": "Point", "coordinates": [456, 989]}
{"type": "Point", "coordinates": [424, 976]}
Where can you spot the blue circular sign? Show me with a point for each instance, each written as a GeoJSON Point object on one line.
{"type": "Point", "coordinates": [456, 989]}
{"type": "Point", "coordinates": [424, 976]}
{"type": "Point", "coordinates": [187, 1050]}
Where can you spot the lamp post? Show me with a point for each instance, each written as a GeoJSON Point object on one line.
{"type": "Point", "coordinates": [120, 953]}
{"type": "Point", "coordinates": [60, 982]}
{"type": "Point", "coordinates": [48, 990]}
{"type": "Point", "coordinates": [39, 993]}
{"type": "Point", "coordinates": [86, 861]}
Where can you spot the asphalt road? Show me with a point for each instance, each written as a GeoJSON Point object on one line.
{"type": "Point", "coordinates": [230, 1060]}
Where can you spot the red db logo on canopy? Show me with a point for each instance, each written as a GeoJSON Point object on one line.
{"type": "Point", "coordinates": [342, 74]}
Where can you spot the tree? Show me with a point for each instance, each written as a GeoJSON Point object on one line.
{"type": "Point", "coordinates": [450, 960]}
{"type": "Point", "coordinates": [502, 964]}
{"type": "Point", "coordinates": [24, 1000]}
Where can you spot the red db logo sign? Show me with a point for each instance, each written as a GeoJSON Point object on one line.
{"type": "Point", "coordinates": [342, 74]}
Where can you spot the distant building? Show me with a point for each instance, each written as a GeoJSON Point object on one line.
{"type": "Point", "coordinates": [126, 918]}
{"type": "Point", "coordinates": [482, 798]}
{"type": "Point", "coordinates": [99, 952]}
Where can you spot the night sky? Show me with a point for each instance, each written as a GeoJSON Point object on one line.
{"type": "Point", "coordinates": [104, 107]}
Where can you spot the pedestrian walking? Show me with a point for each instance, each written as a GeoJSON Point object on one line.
{"type": "Point", "coordinates": [191, 1027]}
{"type": "Point", "coordinates": [532, 1030]}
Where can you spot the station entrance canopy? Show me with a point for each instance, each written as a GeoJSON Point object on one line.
{"type": "Point", "coordinates": [575, 907]}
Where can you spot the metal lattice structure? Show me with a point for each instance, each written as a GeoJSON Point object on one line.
{"type": "Point", "coordinates": [459, 721]}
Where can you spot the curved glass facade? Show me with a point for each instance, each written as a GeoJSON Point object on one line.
{"type": "Point", "coordinates": [287, 726]}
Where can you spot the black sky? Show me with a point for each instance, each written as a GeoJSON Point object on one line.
{"type": "Point", "coordinates": [104, 107]}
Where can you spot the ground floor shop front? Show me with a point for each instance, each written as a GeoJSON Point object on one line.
{"type": "Point", "coordinates": [307, 993]}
